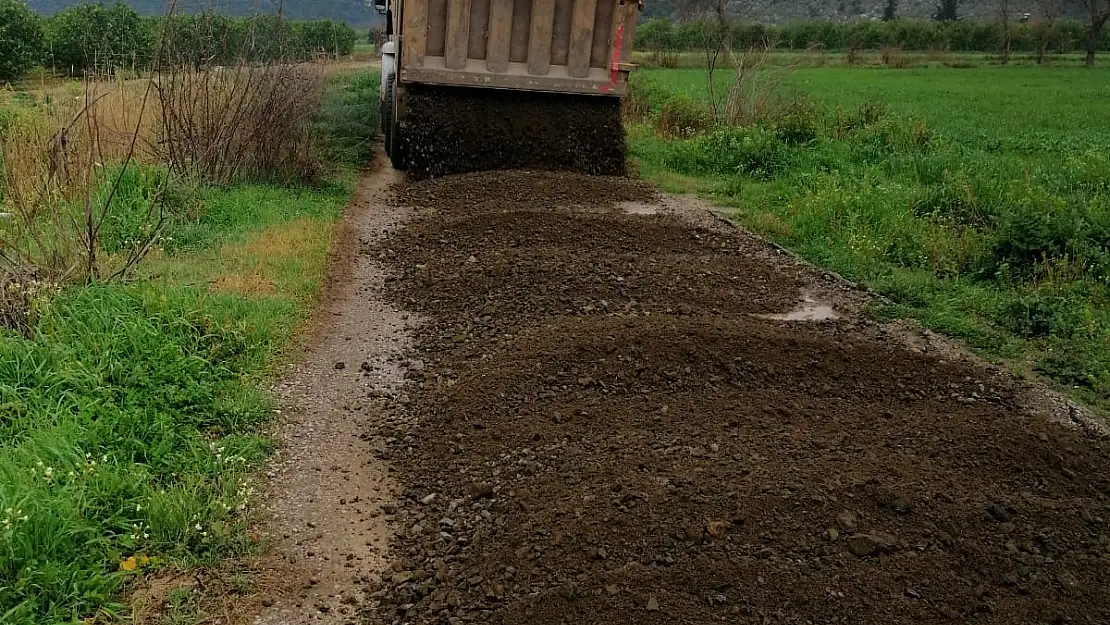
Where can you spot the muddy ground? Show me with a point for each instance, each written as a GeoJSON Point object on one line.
{"type": "Point", "coordinates": [600, 427]}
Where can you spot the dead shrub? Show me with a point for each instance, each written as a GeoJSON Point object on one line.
{"type": "Point", "coordinates": [24, 294]}
{"type": "Point", "coordinates": [66, 166]}
{"type": "Point", "coordinates": [635, 106]}
{"type": "Point", "coordinates": [816, 55]}
{"type": "Point", "coordinates": [852, 56]}
{"type": "Point", "coordinates": [757, 93]}
{"type": "Point", "coordinates": [220, 125]}
{"type": "Point", "coordinates": [893, 57]}
{"type": "Point", "coordinates": [663, 59]}
{"type": "Point", "coordinates": [938, 55]}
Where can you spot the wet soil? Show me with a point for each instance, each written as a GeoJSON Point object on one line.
{"type": "Point", "coordinates": [456, 130]}
{"type": "Point", "coordinates": [606, 423]}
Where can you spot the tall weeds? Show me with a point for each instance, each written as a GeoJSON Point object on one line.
{"type": "Point", "coordinates": [242, 122]}
{"type": "Point", "coordinates": [58, 189]}
{"type": "Point", "coordinates": [64, 160]}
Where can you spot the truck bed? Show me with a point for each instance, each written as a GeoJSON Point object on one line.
{"type": "Point", "coordinates": [564, 46]}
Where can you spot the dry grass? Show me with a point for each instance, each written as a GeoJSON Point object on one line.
{"type": "Point", "coordinates": [893, 57]}
{"type": "Point", "coordinates": [770, 223]}
{"type": "Point", "coordinates": [241, 122]}
{"type": "Point", "coordinates": [259, 266]}
{"type": "Point", "coordinates": [54, 157]}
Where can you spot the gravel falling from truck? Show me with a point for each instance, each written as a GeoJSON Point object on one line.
{"type": "Point", "coordinates": [448, 130]}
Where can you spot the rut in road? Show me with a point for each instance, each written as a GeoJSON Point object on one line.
{"type": "Point", "coordinates": [610, 424]}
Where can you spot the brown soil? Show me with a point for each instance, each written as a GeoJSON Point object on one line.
{"type": "Point", "coordinates": [448, 131]}
{"type": "Point", "coordinates": [602, 430]}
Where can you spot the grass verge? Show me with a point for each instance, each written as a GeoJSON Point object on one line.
{"type": "Point", "coordinates": [131, 423]}
{"type": "Point", "coordinates": [996, 232]}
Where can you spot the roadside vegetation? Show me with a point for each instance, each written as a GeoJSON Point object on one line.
{"type": "Point", "coordinates": [113, 39]}
{"type": "Point", "coordinates": [162, 241]}
{"type": "Point", "coordinates": [976, 201]}
{"type": "Point", "coordinates": [1043, 37]}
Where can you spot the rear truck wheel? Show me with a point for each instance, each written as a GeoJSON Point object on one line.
{"type": "Point", "coordinates": [397, 146]}
{"type": "Point", "coordinates": [386, 113]}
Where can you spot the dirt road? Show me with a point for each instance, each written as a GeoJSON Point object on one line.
{"type": "Point", "coordinates": [612, 422]}
{"type": "Point", "coordinates": [616, 409]}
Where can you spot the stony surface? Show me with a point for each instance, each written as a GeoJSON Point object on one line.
{"type": "Point", "coordinates": [326, 487]}
{"type": "Point", "coordinates": [603, 426]}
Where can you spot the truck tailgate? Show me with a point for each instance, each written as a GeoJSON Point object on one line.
{"type": "Point", "coordinates": [567, 46]}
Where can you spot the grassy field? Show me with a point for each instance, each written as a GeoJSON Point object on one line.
{"type": "Point", "coordinates": [977, 200]}
{"type": "Point", "coordinates": [133, 416]}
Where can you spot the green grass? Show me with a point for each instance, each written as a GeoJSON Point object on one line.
{"type": "Point", "coordinates": [994, 109]}
{"type": "Point", "coordinates": [977, 200]}
{"type": "Point", "coordinates": [131, 423]}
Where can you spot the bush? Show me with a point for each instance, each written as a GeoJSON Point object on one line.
{"type": "Point", "coordinates": [799, 124]}
{"type": "Point", "coordinates": [683, 117]}
{"type": "Point", "coordinates": [910, 35]}
{"type": "Point", "coordinates": [1036, 230]}
{"type": "Point", "coordinates": [1038, 314]}
{"type": "Point", "coordinates": [751, 150]}
{"type": "Point", "coordinates": [323, 37]}
{"type": "Point", "coordinates": [21, 39]}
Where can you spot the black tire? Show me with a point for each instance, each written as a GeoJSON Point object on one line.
{"type": "Point", "coordinates": [386, 113]}
{"type": "Point", "coordinates": [396, 152]}
{"type": "Point", "coordinates": [395, 147]}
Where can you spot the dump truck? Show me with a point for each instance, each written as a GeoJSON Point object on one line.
{"type": "Point", "coordinates": [473, 85]}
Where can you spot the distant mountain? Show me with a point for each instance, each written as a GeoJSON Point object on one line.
{"type": "Point", "coordinates": [354, 12]}
{"type": "Point", "coordinates": [361, 12]}
{"type": "Point", "coordinates": [781, 11]}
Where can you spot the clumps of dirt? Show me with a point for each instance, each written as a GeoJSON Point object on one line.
{"type": "Point", "coordinates": [503, 249]}
{"type": "Point", "coordinates": [450, 130]}
{"type": "Point", "coordinates": [669, 457]}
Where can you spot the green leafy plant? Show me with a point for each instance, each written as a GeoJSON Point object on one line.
{"type": "Point", "coordinates": [98, 37]}
{"type": "Point", "coordinates": [21, 40]}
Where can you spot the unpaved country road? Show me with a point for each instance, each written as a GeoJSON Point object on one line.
{"type": "Point", "coordinates": [617, 410]}
{"type": "Point", "coordinates": [326, 487]}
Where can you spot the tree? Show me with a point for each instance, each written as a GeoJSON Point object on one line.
{"type": "Point", "coordinates": [890, 11]}
{"type": "Point", "coordinates": [1100, 13]}
{"type": "Point", "coordinates": [93, 35]}
{"type": "Point", "coordinates": [1005, 34]}
{"type": "Point", "coordinates": [947, 11]}
{"type": "Point", "coordinates": [1046, 28]}
{"type": "Point", "coordinates": [21, 39]}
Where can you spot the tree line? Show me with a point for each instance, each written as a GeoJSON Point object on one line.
{"type": "Point", "coordinates": [1062, 36]}
{"type": "Point", "coordinates": [95, 37]}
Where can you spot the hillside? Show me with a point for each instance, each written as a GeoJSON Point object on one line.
{"type": "Point", "coordinates": [780, 11]}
